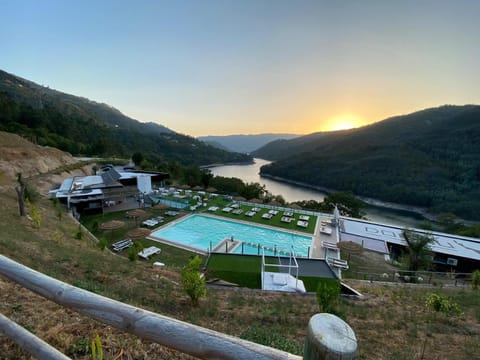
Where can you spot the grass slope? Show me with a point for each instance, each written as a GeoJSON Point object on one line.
{"type": "Point", "coordinates": [390, 323]}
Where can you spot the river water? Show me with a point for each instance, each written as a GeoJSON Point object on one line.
{"type": "Point", "coordinates": [250, 173]}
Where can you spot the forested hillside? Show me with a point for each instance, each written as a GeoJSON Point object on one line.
{"type": "Point", "coordinates": [430, 158]}
{"type": "Point", "coordinates": [84, 127]}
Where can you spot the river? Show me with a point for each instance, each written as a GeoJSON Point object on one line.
{"type": "Point", "coordinates": [251, 173]}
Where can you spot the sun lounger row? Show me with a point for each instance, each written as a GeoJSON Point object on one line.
{"type": "Point", "coordinates": [213, 208]}
{"type": "Point", "coordinates": [286, 219]}
{"type": "Point", "coordinates": [122, 244]}
{"type": "Point", "coordinates": [267, 216]}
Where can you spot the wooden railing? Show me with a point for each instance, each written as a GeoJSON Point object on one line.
{"type": "Point", "coordinates": [179, 335]}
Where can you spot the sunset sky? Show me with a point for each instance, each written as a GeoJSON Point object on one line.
{"type": "Point", "coordinates": [249, 66]}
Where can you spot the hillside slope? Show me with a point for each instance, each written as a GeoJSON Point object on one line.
{"type": "Point", "coordinates": [81, 126]}
{"type": "Point", "coordinates": [430, 158]}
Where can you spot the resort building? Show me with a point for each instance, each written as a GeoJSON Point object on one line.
{"type": "Point", "coordinates": [111, 186]}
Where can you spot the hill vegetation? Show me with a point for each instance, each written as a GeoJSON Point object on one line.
{"type": "Point", "coordinates": [52, 246]}
{"type": "Point", "coordinates": [83, 127]}
{"type": "Point", "coordinates": [429, 158]}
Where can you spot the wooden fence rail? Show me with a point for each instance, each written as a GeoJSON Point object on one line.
{"type": "Point", "coordinates": [187, 338]}
{"type": "Point", "coordinates": [29, 342]}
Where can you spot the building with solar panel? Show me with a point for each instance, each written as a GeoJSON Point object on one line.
{"type": "Point", "coordinates": [110, 187]}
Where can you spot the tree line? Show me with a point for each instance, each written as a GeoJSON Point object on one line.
{"type": "Point", "coordinates": [81, 133]}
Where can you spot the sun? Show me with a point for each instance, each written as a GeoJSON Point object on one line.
{"type": "Point", "coordinates": [342, 122]}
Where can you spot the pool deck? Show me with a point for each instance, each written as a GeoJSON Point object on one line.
{"type": "Point", "coordinates": [325, 238]}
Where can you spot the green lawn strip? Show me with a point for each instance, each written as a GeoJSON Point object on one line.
{"type": "Point", "coordinates": [170, 255]}
{"type": "Point", "coordinates": [245, 270]}
{"type": "Point", "coordinates": [242, 270]}
{"type": "Point", "coordinates": [310, 283]}
{"type": "Point", "coordinates": [275, 221]}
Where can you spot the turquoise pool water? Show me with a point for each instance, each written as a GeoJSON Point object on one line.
{"type": "Point", "coordinates": [200, 232]}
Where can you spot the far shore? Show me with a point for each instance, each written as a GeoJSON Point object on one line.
{"type": "Point", "coordinates": [370, 201]}
{"type": "Point", "coordinates": [226, 164]}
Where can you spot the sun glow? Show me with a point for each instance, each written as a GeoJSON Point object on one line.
{"type": "Point", "coordinates": [343, 122]}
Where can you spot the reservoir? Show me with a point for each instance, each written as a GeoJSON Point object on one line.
{"type": "Point", "coordinates": [251, 173]}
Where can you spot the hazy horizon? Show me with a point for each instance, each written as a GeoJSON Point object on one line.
{"type": "Point", "coordinates": [251, 67]}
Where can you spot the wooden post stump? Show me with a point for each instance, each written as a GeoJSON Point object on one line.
{"type": "Point", "coordinates": [329, 338]}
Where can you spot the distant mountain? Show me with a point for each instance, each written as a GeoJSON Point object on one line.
{"type": "Point", "coordinates": [243, 143]}
{"type": "Point", "coordinates": [429, 158]}
{"type": "Point", "coordinates": [84, 127]}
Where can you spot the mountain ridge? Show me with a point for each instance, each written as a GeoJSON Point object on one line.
{"type": "Point", "coordinates": [244, 143]}
{"type": "Point", "coordinates": [84, 127]}
{"type": "Point", "coordinates": [429, 158]}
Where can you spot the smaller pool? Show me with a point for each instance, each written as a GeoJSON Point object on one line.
{"type": "Point", "coordinates": [203, 232]}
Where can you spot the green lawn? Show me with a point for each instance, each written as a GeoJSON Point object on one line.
{"type": "Point", "coordinates": [274, 221]}
{"type": "Point", "coordinates": [245, 270]}
{"type": "Point", "coordinates": [170, 255]}
{"type": "Point", "coordinates": [220, 202]}
{"type": "Point", "coordinates": [238, 269]}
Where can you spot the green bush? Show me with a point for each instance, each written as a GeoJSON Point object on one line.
{"type": "Point", "coordinates": [79, 234]}
{"type": "Point", "coordinates": [440, 303]}
{"type": "Point", "coordinates": [79, 347]}
{"type": "Point", "coordinates": [476, 280]}
{"type": "Point", "coordinates": [97, 350]}
{"type": "Point", "coordinates": [328, 293]}
{"type": "Point", "coordinates": [192, 280]}
{"type": "Point", "coordinates": [134, 250]}
{"type": "Point", "coordinates": [102, 243]}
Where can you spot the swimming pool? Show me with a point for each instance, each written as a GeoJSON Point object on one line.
{"type": "Point", "coordinates": [202, 232]}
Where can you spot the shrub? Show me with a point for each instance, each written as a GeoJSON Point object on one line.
{"type": "Point", "coordinates": [79, 233]}
{"type": "Point", "coordinates": [134, 250]}
{"type": "Point", "coordinates": [440, 303]}
{"type": "Point", "coordinates": [328, 293]}
{"type": "Point", "coordinates": [97, 350]}
{"type": "Point", "coordinates": [192, 280]}
{"type": "Point", "coordinates": [102, 243]}
{"type": "Point", "coordinates": [476, 280]}
{"type": "Point", "coordinates": [30, 193]}
{"type": "Point", "coordinates": [36, 216]}
{"type": "Point", "coordinates": [79, 347]}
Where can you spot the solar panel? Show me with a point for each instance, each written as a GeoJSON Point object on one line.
{"type": "Point", "coordinates": [110, 176]}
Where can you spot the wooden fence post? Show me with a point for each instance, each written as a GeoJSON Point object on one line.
{"type": "Point", "coordinates": [329, 338]}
